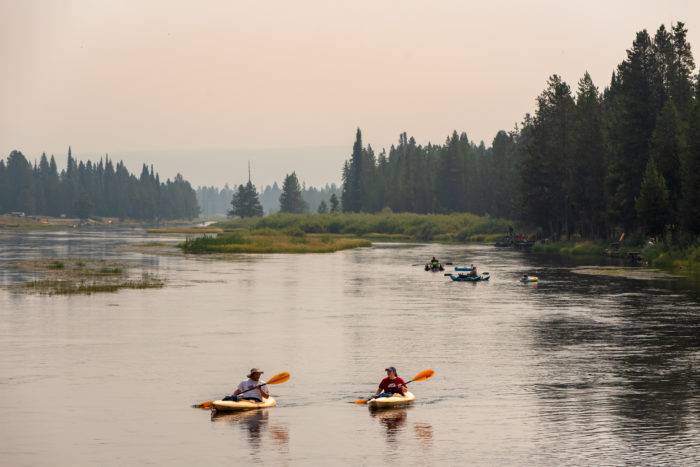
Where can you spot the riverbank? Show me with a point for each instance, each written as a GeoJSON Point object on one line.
{"type": "Point", "coordinates": [14, 222]}
{"type": "Point", "coordinates": [678, 259]}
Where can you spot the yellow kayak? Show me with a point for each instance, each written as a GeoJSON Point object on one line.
{"type": "Point", "coordinates": [393, 401]}
{"type": "Point", "coordinates": [233, 406]}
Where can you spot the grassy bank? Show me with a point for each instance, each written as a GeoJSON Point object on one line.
{"type": "Point", "coordinates": [403, 226]}
{"type": "Point", "coordinates": [581, 248]}
{"type": "Point", "coordinates": [676, 258]}
{"type": "Point", "coordinates": [683, 259]}
{"type": "Point", "coordinates": [270, 241]}
{"type": "Point", "coordinates": [68, 276]}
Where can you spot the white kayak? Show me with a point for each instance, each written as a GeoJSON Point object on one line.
{"type": "Point", "coordinates": [233, 406]}
{"type": "Point", "coordinates": [393, 401]}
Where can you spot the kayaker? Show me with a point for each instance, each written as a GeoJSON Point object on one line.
{"type": "Point", "coordinates": [248, 390]}
{"type": "Point", "coordinates": [392, 384]}
{"type": "Point", "coordinates": [473, 271]}
{"type": "Point", "coordinates": [434, 262]}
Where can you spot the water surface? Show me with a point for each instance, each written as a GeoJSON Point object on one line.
{"type": "Point", "coordinates": [578, 369]}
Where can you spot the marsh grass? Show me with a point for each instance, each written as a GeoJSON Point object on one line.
{"type": "Point", "coordinates": [75, 287]}
{"type": "Point", "coordinates": [388, 225]}
{"type": "Point", "coordinates": [580, 248]}
{"type": "Point", "coordinates": [269, 241]}
{"type": "Point", "coordinates": [83, 276]}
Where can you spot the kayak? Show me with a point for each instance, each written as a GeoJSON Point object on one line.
{"type": "Point", "coordinates": [393, 401]}
{"type": "Point", "coordinates": [464, 268]}
{"type": "Point", "coordinates": [233, 406]}
{"type": "Point", "coordinates": [530, 279]}
{"type": "Point", "coordinates": [469, 278]}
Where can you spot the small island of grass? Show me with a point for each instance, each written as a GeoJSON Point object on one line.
{"type": "Point", "coordinates": [70, 276]}
{"type": "Point", "coordinates": [270, 241]}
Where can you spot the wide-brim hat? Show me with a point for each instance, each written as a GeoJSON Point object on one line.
{"type": "Point", "coordinates": [255, 370]}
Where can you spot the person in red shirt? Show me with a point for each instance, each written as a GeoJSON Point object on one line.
{"type": "Point", "coordinates": [391, 385]}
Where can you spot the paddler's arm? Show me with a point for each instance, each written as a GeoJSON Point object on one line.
{"type": "Point", "coordinates": [264, 391]}
{"type": "Point", "coordinates": [404, 389]}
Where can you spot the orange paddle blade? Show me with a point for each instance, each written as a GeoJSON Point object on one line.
{"type": "Point", "coordinates": [361, 401]}
{"type": "Point", "coordinates": [423, 375]}
{"type": "Point", "coordinates": [279, 378]}
{"type": "Point", "coordinates": [203, 405]}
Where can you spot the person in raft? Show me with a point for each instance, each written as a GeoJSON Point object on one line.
{"type": "Point", "coordinates": [248, 389]}
{"type": "Point", "coordinates": [391, 385]}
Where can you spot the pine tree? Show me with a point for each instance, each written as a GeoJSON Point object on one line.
{"type": "Point", "coordinates": [632, 105]}
{"type": "Point", "coordinates": [666, 148]}
{"type": "Point", "coordinates": [352, 177]}
{"type": "Point", "coordinates": [322, 207]}
{"type": "Point", "coordinates": [245, 202]}
{"type": "Point", "coordinates": [334, 203]}
{"type": "Point", "coordinates": [291, 199]}
{"type": "Point", "coordinates": [587, 189]}
{"type": "Point", "coordinates": [652, 204]}
{"type": "Point", "coordinates": [546, 171]}
{"type": "Point", "coordinates": [690, 173]}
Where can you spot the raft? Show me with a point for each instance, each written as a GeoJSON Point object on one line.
{"type": "Point", "coordinates": [469, 278]}
{"type": "Point", "coordinates": [430, 267]}
{"type": "Point", "coordinates": [464, 268]}
{"type": "Point", "coordinates": [233, 406]}
{"type": "Point", "coordinates": [393, 401]}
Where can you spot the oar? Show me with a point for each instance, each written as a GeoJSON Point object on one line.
{"type": "Point", "coordinates": [277, 379]}
{"type": "Point", "coordinates": [422, 376]}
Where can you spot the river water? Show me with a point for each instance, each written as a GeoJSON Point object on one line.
{"type": "Point", "coordinates": [578, 369]}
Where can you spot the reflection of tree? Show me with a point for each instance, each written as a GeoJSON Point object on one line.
{"type": "Point", "coordinates": [392, 419]}
{"type": "Point", "coordinates": [632, 355]}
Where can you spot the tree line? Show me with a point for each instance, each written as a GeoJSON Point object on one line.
{"type": "Point", "coordinates": [586, 163]}
{"type": "Point", "coordinates": [246, 200]}
{"type": "Point", "coordinates": [84, 189]}
{"type": "Point", "coordinates": [217, 201]}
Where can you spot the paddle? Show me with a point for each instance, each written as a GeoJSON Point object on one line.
{"type": "Point", "coordinates": [277, 379]}
{"type": "Point", "coordinates": [422, 376]}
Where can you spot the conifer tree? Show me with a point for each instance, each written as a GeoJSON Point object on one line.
{"type": "Point", "coordinates": [291, 199]}
{"type": "Point", "coordinates": [245, 202]}
{"type": "Point", "coordinates": [652, 204]}
{"type": "Point", "coordinates": [334, 203]}
{"type": "Point", "coordinates": [322, 207]}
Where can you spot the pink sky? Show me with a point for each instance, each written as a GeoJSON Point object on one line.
{"type": "Point", "coordinates": [215, 83]}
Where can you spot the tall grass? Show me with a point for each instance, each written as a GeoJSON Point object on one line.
{"type": "Point", "coordinates": [270, 241]}
{"type": "Point", "coordinates": [422, 227]}
{"type": "Point", "coordinates": [580, 248]}
{"type": "Point", "coordinates": [684, 259]}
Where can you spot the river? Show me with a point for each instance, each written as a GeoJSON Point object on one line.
{"type": "Point", "coordinates": [578, 369]}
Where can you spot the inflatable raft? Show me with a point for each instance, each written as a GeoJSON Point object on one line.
{"type": "Point", "coordinates": [469, 278]}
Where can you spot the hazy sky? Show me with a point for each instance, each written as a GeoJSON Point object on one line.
{"type": "Point", "coordinates": [202, 86]}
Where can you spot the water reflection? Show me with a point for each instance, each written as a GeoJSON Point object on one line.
{"type": "Point", "coordinates": [255, 424]}
{"type": "Point", "coordinates": [424, 433]}
{"type": "Point", "coordinates": [627, 361]}
{"type": "Point", "coordinates": [393, 421]}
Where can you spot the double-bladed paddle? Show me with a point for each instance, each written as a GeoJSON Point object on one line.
{"type": "Point", "coordinates": [277, 379]}
{"type": "Point", "coordinates": [422, 376]}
